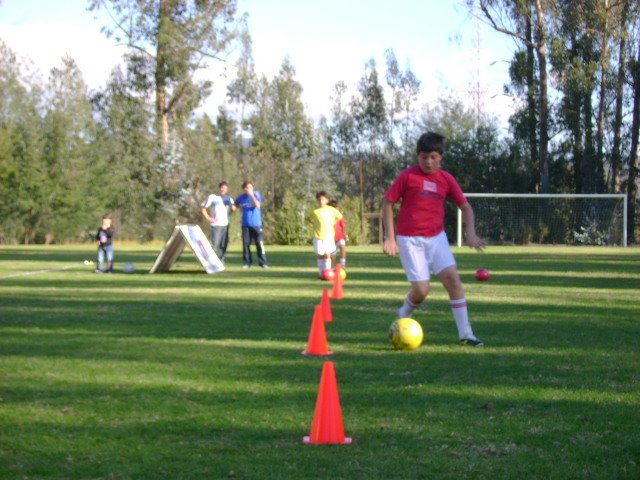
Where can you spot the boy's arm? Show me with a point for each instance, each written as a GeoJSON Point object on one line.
{"type": "Point", "coordinates": [256, 202]}
{"type": "Point", "coordinates": [389, 247]}
{"type": "Point", "coordinates": [468, 218]}
{"type": "Point", "coordinates": [249, 190]}
{"type": "Point", "coordinates": [205, 213]}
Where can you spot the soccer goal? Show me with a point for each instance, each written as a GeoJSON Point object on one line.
{"type": "Point", "coordinates": [566, 219]}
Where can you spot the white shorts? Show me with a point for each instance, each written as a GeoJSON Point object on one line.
{"type": "Point", "coordinates": [341, 243]}
{"type": "Point", "coordinates": [422, 255]}
{"type": "Point", "coordinates": [324, 247]}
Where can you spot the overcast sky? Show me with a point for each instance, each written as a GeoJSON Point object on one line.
{"type": "Point", "coordinates": [326, 40]}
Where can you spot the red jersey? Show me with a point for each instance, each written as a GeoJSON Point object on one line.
{"type": "Point", "coordinates": [423, 197]}
{"type": "Point", "coordinates": [339, 228]}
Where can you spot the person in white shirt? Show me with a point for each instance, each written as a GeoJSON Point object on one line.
{"type": "Point", "coordinates": [216, 209]}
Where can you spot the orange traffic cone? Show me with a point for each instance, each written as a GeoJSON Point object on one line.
{"type": "Point", "coordinates": [338, 292]}
{"type": "Point", "coordinates": [325, 303]}
{"type": "Point", "coordinates": [317, 344]}
{"type": "Point", "coordinates": [327, 420]}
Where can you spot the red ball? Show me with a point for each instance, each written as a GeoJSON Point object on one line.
{"type": "Point", "coordinates": [482, 275]}
{"type": "Point", "coordinates": [328, 274]}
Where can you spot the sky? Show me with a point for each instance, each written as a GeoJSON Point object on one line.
{"type": "Point", "coordinates": [326, 41]}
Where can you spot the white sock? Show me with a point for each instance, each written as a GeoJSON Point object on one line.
{"type": "Point", "coordinates": [406, 309]}
{"type": "Point", "coordinates": [461, 315]}
{"type": "Point", "coordinates": [343, 261]}
{"type": "Point", "coordinates": [323, 264]}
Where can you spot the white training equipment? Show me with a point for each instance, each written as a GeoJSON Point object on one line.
{"type": "Point", "coordinates": [193, 236]}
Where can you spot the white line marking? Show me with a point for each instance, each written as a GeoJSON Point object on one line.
{"type": "Point", "coordinates": [36, 271]}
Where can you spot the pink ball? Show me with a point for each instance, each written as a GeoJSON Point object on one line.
{"type": "Point", "coordinates": [328, 274]}
{"type": "Point", "coordinates": [482, 275]}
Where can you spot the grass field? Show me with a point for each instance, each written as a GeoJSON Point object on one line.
{"type": "Point", "coordinates": [185, 375]}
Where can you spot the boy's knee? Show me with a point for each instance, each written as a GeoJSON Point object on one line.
{"type": "Point", "coordinates": [451, 281]}
{"type": "Point", "coordinates": [419, 291]}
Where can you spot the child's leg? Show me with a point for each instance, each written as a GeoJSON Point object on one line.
{"type": "Point", "coordinates": [109, 250]}
{"type": "Point", "coordinates": [415, 264]}
{"type": "Point", "coordinates": [324, 262]}
{"type": "Point", "coordinates": [417, 294]}
{"type": "Point", "coordinates": [343, 255]}
{"type": "Point", "coordinates": [101, 258]}
{"type": "Point", "coordinates": [450, 279]}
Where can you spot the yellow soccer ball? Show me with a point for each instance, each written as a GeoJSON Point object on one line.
{"type": "Point", "coordinates": [405, 334]}
{"type": "Point", "coordinates": [343, 274]}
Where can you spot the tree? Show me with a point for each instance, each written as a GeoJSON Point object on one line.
{"type": "Point", "coordinates": [283, 144]}
{"type": "Point", "coordinates": [634, 160]}
{"type": "Point", "coordinates": [69, 132]}
{"type": "Point", "coordinates": [125, 111]}
{"type": "Point", "coordinates": [405, 88]}
{"type": "Point", "coordinates": [170, 40]}
{"type": "Point", "coordinates": [22, 172]}
{"type": "Point", "coordinates": [616, 149]}
{"type": "Point", "coordinates": [371, 125]}
{"type": "Point", "coordinates": [501, 14]}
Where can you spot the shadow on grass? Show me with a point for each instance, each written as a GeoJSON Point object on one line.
{"type": "Point", "coordinates": [188, 375]}
{"type": "Point", "coordinates": [181, 432]}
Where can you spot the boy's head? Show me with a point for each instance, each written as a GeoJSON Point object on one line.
{"type": "Point", "coordinates": [223, 187]}
{"type": "Point", "coordinates": [322, 197]}
{"type": "Point", "coordinates": [107, 219]}
{"type": "Point", "coordinates": [430, 149]}
{"type": "Point", "coordinates": [430, 142]}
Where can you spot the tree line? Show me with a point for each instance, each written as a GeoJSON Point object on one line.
{"type": "Point", "coordinates": [141, 148]}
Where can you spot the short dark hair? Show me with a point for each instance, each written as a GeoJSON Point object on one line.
{"type": "Point", "coordinates": [223, 184]}
{"type": "Point", "coordinates": [321, 193]}
{"type": "Point", "coordinates": [247, 182]}
{"type": "Point", "coordinates": [431, 142]}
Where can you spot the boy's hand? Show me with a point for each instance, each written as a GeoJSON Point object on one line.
{"type": "Point", "coordinates": [390, 247]}
{"type": "Point", "coordinates": [476, 242]}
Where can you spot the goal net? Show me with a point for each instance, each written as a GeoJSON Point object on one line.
{"type": "Point", "coordinates": [580, 219]}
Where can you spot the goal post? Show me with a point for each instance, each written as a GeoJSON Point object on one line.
{"type": "Point", "coordinates": [570, 219]}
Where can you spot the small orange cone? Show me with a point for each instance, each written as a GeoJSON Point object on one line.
{"type": "Point", "coordinates": [338, 291]}
{"type": "Point", "coordinates": [317, 344]}
{"type": "Point", "coordinates": [325, 303]}
{"type": "Point", "coordinates": [327, 420]}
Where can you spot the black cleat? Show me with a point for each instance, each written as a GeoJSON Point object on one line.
{"type": "Point", "coordinates": [472, 342]}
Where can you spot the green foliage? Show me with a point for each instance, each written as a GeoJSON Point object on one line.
{"type": "Point", "coordinates": [290, 223]}
{"type": "Point", "coordinates": [357, 233]}
{"type": "Point", "coordinates": [283, 145]}
{"type": "Point", "coordinates": [135, 148]}
{"type": "Point", "coordinates": [170, 41]}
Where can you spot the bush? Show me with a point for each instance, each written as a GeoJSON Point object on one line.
{"type": "Point", "coordinates": [290, 226]}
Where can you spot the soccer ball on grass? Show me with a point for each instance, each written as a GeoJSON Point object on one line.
{"type": "Point", "coordinates": [405, 334]}
{"type": "Point", "coordinates": [343, 273]}
{"type": "Point", "coordinates": [482, 275]}
{"type": "Point", "coordinates": [328, 274]}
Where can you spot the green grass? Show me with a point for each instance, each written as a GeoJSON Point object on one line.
{"type": "Point", "coordinates": [189, 375]}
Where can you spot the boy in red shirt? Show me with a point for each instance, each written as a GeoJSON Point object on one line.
{"type": "Point", "coordinates": [341, 239]}
{"type": "Point", "coordinates": [421, 240]}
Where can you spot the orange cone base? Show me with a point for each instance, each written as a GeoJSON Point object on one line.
{"type": "Point", "coordinates": [305, 352]}
{"type": "Point", "coordinates": [307, 439]}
